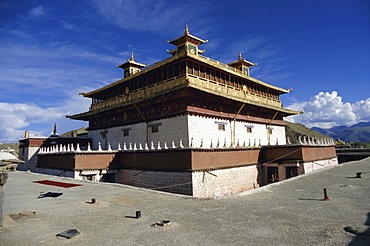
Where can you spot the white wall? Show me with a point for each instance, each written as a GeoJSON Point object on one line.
{"type": "Point", "coordinates": [223, 182]}
{"type": "Point", "coordinates": [315, 165]}
{"type": "Point", "coordinates": [207, 129]}
{"type": "Point", "coordinates": [170, 129]}
{"type": "Point", "coordinates": [196, 129]}
{"type": "Point", "coordinates": [29, 157]}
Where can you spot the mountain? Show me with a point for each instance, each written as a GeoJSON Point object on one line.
{"type": "Point", "coordinates": [294, 130]}
{"type": "Point", "coordinates": [75, 133]}
{"type": "Point", "coordinates": [330, 130]}
{"type": "Point", "coordinates": [356, 133]}
{"type": "Point", "coordinates": [10, 147]}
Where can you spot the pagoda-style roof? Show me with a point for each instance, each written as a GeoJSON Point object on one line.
{"type": "Point", "coordinates": [187, 37]}
{"type": "Point", "coordinates": [174, 51]}
{"type": "Point", "coordinates": [131, 63]}
{"type": "Point", "coordinates": [241, 61]}
{"type": "Point", "coordinates": [203, 59]}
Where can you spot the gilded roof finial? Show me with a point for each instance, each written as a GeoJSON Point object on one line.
{"type": "Point", "coordinates": [55, 129]}
{"type": "Point", "coordinates": [186, 32]}
{"type": "Point", "coordinates": [240, 55]}
{"type": "Point", "coordinates": [54, 133]}
{"type": "Point", "coordinates": [132, 56]}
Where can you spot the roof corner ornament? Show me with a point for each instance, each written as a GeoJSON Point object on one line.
{"type": "Point", "coordinates": [186, 32]}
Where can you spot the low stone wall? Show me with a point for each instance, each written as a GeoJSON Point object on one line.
{"type": "Point", "coordinates": [305, 153]}
{"type": "Point", "coordinates": [58, 172]}
{"type": "Point", "coordinates": [221, 182]}
{"type": "Point", "coordinates": [191, 171]}
{"type": "Point", "coordinates": [315, 165]}
{"type": "Point", "coordinates": [208, 183]}
{"type": "Point", "coordinates": [175, 182]}
{"type": "Point", "coordinates": [187, 159]}
{"type": "Point", "coordinates": [76, 160]}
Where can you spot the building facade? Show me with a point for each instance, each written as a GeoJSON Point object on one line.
{"type": "Point", "coordinates": [190, 125]}
{"type": "Point", "coordinates": [190, 97]}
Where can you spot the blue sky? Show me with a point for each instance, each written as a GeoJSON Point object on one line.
{"type": "Point", "coordinates": [52, 50]}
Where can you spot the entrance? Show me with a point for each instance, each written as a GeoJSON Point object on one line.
{"type": "Point", "coordinates": [272, 174]}
{"type": "Point", "coordinates": [291, 172]}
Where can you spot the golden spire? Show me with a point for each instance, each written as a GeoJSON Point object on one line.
{"type": "Point", "coordinates": [132, 56]}
{"type": "Point", "coordinates": [240, 55]}
{"type": "Point", "coordinates": [186, 32]}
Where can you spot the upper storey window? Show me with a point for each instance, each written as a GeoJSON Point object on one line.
{"type": "Point", "coordinates": [246, 71]}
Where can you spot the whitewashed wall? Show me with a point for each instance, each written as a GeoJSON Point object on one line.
{"type": "Point", "coordinates": [223, 182]}
{"type": "Point", "coordinates": [30, 159]}
{"type": "Point", "coordinates": [316, 165]}
{"type": "Point", "coordinates": [196, 130]}
{"type": "Point", "coordinates": [207, 129]}
{"type": "Point", "coordinates": [170, 129]}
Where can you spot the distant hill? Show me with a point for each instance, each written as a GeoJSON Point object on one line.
{"type": "Point", "coordinates": [294, 130]}
{"type": "Point", "coordinates": [11, 146]}
{"type": "Point", "coordinates": [74, 133]}
{"type": "Point", "coordinates": [356, 133]}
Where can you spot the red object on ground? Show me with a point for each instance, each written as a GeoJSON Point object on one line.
{"type": "Point", "coordinates": [56, 183]}
{"type": "Point", "coordinates": [326, 195]}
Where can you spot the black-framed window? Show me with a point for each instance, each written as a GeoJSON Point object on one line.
{"type": "Point", "coordinates": [155, 127]}
{"type": "Point", "coordinates": [126, 132]}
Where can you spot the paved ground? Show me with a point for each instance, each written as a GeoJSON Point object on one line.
{"type": "Point", "coordinates": [287, 213]}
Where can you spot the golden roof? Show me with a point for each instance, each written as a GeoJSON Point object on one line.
{"type": "Point", "coordinates": [131, 61]}
{"type": "Point", "coordinates": [187, 37]}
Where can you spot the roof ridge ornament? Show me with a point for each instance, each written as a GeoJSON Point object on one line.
{"type": "Point", "coordinates": [186, 32]}
{"type": "Point", "coordinates": [55, 129]}
{"type": "Point", "coordinates": [54, 133]}
{"type": "Point", "coordinates": [132, 57]}
{"type": "Point", "coordinates": [240, 55]}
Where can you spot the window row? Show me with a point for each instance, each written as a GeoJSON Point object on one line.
{"type": "Point", "coordinates": [144, 80]}
{"type": "Point", "coordinates": [179, 68]}
{"type": "Point", "coordinates": [229, 79]}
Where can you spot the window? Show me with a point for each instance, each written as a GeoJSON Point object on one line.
{"type": "Point", "coordinates": [190, 68]}
{"type": "Point", "coordinates": [126, 132]}
{"type": "Point", "coordinates": [291, 172]}
{"type": "Point", "coordinates": [249, 129]}
{"type": "Point", "coordinates": [89, 177]}
{"type": "Point", "coordinates": [221, 126]}
{"type": "Point", "coordinates": [103, 134]}
{"type": "Point", "coordinates": [202, 71]}
{"type": "Point", "coordinates": [272, 174]}
{"type": "Point", "coordinates": [155, 127]}
{"type": "Point", "coordinates": [196, 69]}
{"type": "Point", "coordinates": [246, 71]}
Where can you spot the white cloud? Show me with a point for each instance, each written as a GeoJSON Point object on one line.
{"type": "Point", "coordinates": [326, 110]}
{"type": "Point", "coordinates": [45, 82]}
{"type": "Point", "coordinates": [51, 71]}
{"type": "Point", "coordinates": [67, 25]}
{"type": "Point", "coordinates": [17, 117]}
{"type": "Point", "coordinates": [362, 108]}
{"type": "Point", "coordinates": [37, 12]}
